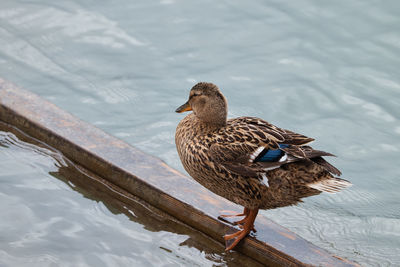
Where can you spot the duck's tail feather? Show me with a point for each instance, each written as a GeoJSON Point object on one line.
{"type": "Point", "coordinates": [331, 185]}
{"type": "Point", "coordinates": [327, 166]}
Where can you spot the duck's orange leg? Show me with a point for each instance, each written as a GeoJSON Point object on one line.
{"type": "Point", "coordinates": [252, 229]}
{"type": "Point", "coordinates": [242, 221]}
{"type": "Point", "coordinates": [244, 213]}
{"type": "Point", "coordinates": [248, 225]}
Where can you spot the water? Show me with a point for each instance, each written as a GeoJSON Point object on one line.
{"type": "Point", "coordinates": [52, 215]}
{"type": "Point", "coordinates": [327, 70]}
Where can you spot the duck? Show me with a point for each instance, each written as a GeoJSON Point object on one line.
{"type": "Point", "coordinates": [247, 160]}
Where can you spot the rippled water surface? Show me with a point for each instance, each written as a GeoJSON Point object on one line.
{"type": "Point", "coordinates": [327, 69]}
{"type": "Point", "coordinates": [53, 215]}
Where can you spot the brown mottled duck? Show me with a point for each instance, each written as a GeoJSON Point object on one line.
{"type": "Point", "coordinates": [248, 160]}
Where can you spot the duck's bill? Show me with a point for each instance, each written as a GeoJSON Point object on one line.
{"type": "Point", "coordinates": [183, 108]}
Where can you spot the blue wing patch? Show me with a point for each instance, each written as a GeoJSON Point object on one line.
{"type": "Point", "coordinates": [273, 154]}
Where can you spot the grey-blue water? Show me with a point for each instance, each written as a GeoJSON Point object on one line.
{"type": "Point", "coordinates": [327, 69]}
{"type": "Point", "coordinates": [53, 215]}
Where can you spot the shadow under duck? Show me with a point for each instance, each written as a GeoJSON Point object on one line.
{"type": "Point", "coordinates": [248, 160]}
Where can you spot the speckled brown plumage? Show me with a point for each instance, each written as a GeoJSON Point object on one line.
{"type": "Point", "coordinates": [224, 155]}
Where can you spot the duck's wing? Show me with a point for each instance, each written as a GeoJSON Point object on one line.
{"type": "Point", "coordinates": [281, 135]}
{"type": "Point", "coordinates": [262, 147]}
{"type": "Point", "coordinates": [237, 157]}
{"type": "Point", "coordinates": [248, 160]}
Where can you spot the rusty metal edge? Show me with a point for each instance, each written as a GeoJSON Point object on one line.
{"type": "Point", "coordinates": [128, 181]}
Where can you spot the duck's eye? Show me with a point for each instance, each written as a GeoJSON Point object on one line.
{"type": "Point", "coordinates": [195, 94]}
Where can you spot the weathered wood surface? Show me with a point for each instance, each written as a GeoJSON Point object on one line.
{"type": "Point", "coordinates": [152, 180]}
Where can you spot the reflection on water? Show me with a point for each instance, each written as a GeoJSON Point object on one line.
{"type": "Point", "coordinates": [47, 222]}
{"type": "Point", "coordinates": [328, 70]}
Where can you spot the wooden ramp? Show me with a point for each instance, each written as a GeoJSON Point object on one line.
{"type": "Point", "coordinates": [131, 171]}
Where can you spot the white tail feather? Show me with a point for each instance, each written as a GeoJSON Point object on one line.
{"type": "Point", "coordinates": [332, 185]}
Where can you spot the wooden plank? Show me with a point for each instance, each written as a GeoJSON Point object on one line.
{"type": "Point", "coordinates": [150, 179]}
{"type": "Point", "coordinates": [117, 200]}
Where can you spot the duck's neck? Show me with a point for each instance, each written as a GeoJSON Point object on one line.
{"type": "Point", "coordinates": [208, 127]}
{"type": "Point", "coordinates": [202, 126]}
{"type": "Point", "coordinates": [212, 120]}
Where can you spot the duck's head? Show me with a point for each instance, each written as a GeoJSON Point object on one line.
{"type": "Point", "coordinates": [208, 104]}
